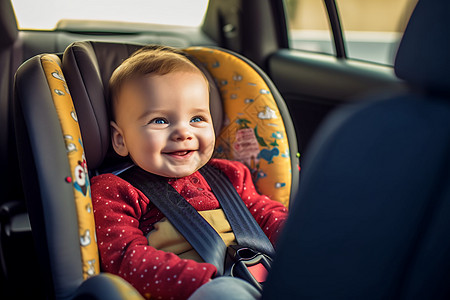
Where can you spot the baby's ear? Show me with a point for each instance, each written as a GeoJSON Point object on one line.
{"type": "Point", "coordinates": [117, 139]}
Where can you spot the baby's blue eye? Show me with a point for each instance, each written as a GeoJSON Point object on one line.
{"type": "Point", "coordinates": [197, 119]}
{"type": "Point", "coordinates": [158, 121]}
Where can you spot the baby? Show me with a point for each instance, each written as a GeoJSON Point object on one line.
{"type": "Point", "coordinates": [162, 121]}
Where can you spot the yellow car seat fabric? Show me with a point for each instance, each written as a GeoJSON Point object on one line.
{"type": "Point", "coordinates": [253, 131]}
{"type": "Point", "coordinates": [77, 161]}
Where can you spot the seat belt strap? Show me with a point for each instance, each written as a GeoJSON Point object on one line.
{"type": "Point", "coordinates": [194, 228]}
{"type": "Point", "coordinates": [183, 216]}
{"type": "Point", "coordinates": [247, 231]}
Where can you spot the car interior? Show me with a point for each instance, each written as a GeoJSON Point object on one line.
{"type": "Point", "coordinates": [372, 143]}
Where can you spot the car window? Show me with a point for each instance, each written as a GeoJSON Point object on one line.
{"type": "Point", "coordinates": [372, 29]}
{"type": "Point", "coordinates": [308, 26]}
{"type": "Point", "coordinates": [170, 12]}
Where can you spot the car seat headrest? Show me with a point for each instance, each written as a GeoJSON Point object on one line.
{"type": "Point", "coordinates": [87, 67]}
{"type": "Point", "coordinates": [423, 57]}
{"type": "Point", "coordinates": [8, 24]}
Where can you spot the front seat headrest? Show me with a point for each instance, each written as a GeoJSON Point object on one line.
{"type": "Point", "coordinates": [423, 58]}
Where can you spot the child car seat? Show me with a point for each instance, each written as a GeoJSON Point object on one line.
{"type": "Point", "coordinates": [63, 135]}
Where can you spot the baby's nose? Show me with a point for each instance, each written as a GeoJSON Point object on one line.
{"type": "Point", "coordinates": [182, 133]}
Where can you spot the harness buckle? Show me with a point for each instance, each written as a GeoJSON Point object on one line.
{"type": "Point", "coordinates": [247, 264]}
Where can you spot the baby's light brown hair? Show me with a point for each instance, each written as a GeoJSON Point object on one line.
{"type": "Point", "coordinates": [149, 60]}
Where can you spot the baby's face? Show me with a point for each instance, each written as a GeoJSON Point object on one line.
{"type": "Point", "coordinates": [164, 123]}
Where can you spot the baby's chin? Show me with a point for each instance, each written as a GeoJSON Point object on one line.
{"type": "Point", "coordinates": [178, 172]}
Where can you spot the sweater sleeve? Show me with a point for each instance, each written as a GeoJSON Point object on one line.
{"type": "Point", "coordinates": [124, 250]}
{"type": "Point", "coordinates": [269, 214]}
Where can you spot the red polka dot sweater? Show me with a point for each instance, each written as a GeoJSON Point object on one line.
{"type": "Point", "coordinates": [124, 216]}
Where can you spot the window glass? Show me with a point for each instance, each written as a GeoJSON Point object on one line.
{"type": "Point", "coordinates": [308, 26]}
{"type": "Point", "coordinates": [45, 14]}
{"type": "Point", "coordinates": [373, 28]}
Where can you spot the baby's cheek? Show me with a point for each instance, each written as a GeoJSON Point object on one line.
{"type": "Point", "coordinates": [212, 138]}
{"type": "Point", "coordinates": [209, 147]}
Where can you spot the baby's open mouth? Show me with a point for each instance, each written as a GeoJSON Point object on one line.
{"type": "Point", "coordinates": [180, 153]}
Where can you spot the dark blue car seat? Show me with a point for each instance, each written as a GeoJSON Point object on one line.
{"type": "Point", "coordinates": [372, 218]}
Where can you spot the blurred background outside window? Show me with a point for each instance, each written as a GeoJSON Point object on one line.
{"type": "Point", "coordinates": [372, 28]}
{"type": "Point", "coordinates": [45, 14]}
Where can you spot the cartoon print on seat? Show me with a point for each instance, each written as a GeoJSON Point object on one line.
{"type": "Point", "coordinates": [254, 131]}
{"type": "Point", "coordinates": [81, 176]}
{"type": "Point", "coordinates": [245, 146]}
{"type": "Point", "coordinates": [77, 160]}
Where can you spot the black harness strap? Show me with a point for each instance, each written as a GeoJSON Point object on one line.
{"type": "Point", "coordinates": [245, 228]}
{"type": "Point", "coordinates": [194, 228]}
